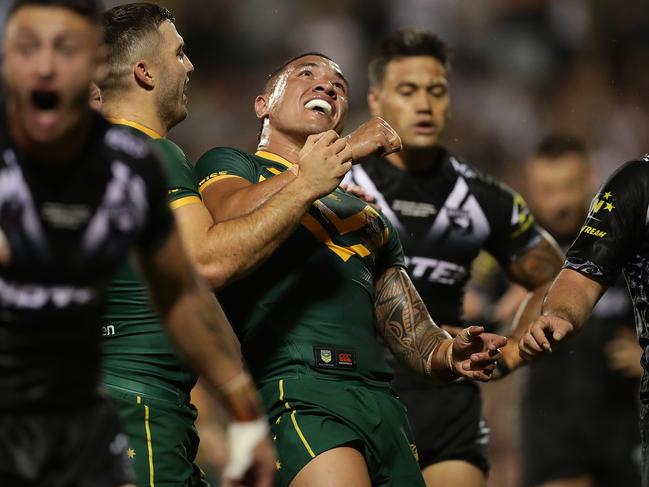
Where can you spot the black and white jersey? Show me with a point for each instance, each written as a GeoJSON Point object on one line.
{"type": "Point", "coordinates": [615, 238]}
{"type": "Point", "coordinates": [67, 229]}
{"type": "Point", "coordinates": [445, 217]}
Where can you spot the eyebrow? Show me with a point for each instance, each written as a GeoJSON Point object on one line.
{"type": "Point", "coordinates": [311, 64]}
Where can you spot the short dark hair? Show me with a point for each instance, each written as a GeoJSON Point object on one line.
{"type": "Point", "coordinates": [407, 42]}
{"type": "Point", "coordinates": [90, 9]}
{"type": "Point", "coordinates": [271, 80]}
{"type": "Point", "coordinates": [553, 146]}
{"type": "Point", "coordinates": [126, 30]}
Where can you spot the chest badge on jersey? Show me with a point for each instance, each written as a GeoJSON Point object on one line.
{"type": "Point", "coordinates": [334, 358]}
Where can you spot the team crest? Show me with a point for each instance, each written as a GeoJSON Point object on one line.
{"type": "Point", "coordinates": [325, 356]}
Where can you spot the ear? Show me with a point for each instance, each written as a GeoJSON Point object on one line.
{"type": "Point", "coordinates": [143, 75]}
{"type": "Point", "coordinates": [261, 106]}
{"type": "Point", "coordinates": [374, 101]}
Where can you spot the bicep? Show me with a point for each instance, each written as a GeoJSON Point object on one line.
{"type": "Point", "coordinates": [234, 197]}
{"type": "Point", "coordinates": [536, 265]}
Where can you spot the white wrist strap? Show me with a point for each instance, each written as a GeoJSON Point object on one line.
{"type": "Point", "coordinates": [243, 437]}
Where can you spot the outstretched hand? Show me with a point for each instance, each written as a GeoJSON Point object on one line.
{"type": "Point", "coordinates": [474, 353]}
{"type": "Point", "coordinates": [537, 337]}
{"type": "Point", "coordinates": [375, 136]}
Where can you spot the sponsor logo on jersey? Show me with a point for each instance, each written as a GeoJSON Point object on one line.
{"type": "Point", "coordinates": [436, 270]}
{"type": "Point", "coordinates": [108, 330]}
{"type": "Point", "coordinates": [31, 296]}
{"type": "Point", "coordinates": [65, 217]}
{"type": "Point", "coordinates": [602, 202]}
{"type": "Point", "coordinates": [334, 358]}
{"type": "Point", "coordinates": [414, 208]}
{"type": "Point", "coordinates": [593, 231]}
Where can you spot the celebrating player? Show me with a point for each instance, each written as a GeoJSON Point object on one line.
{"type": "Point", "coordinates": [306, 317]}
{"type": "Point", "coordinates": [445, 212]}
{"type": "Point", "coordinates": [76, 194]}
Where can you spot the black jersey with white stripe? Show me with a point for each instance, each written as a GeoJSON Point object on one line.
{"type": "Point", "coordinates": [67, 228]}
{"type": "Point", "coordinates": [615, 238]}
{"type": "Point", "coordinates": [445, 216]}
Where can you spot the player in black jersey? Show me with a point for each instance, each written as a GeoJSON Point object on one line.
{"type": "Point", "coordinates": [560, 446]}
{"type": "Point", "coordinates": [75, 195]}
{"type": "Point", "coordinates": [446, 212]}
{"type": "Point", "coordinates": [612, 240]}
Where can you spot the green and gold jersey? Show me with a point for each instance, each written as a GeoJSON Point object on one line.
{"type": "Point", "coordinates": [309, 309]}
{"type": "Point", "coordinates": [136, 346]}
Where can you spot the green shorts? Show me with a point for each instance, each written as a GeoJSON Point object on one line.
{"type": "Point", "coordinates": [162, 438]}
{"type": "Point", "coordinates": [311, 416]}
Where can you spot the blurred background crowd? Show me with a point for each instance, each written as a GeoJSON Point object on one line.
{"type": "Point", "coordinates": [521, 69]}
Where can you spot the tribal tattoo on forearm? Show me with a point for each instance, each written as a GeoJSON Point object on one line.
{"type": "Point", "coordinates": [404, 322]}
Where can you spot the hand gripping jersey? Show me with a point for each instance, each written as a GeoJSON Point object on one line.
{"type": "Point", "coordinates": [68, 229]}
{"type": "Point", "coordinates": [308, 311]}
{"type": "Point", "coordinates": [444, 217]}
{"type": "Point", "coordinates": [615, 238]}
{"type": "Point", "coordinates": [136, 346]}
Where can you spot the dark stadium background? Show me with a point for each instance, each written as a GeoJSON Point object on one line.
{"type": "Point", "coordinates": [522, 68]}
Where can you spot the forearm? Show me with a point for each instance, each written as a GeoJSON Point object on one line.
{"type": "Point", "coordinates": [241, 244]}
{"type": "Point", "coordinates": [582, 298]}
{"type": "Point", "coordinates": [201, 333]}
{"type": "Point", "coordinates": [403, 321]}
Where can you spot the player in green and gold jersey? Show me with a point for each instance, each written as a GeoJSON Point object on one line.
{"type": "Point", "coordinates": [308, 316]}
{"type": "Point", "coordinates": [145, 90]}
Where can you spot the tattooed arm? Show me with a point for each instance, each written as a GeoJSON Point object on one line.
{"type": "Point", "coordinates": [415, 340]}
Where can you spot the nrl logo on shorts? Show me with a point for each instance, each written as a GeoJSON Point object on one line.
{"type": "Point", "coordinates": [325, 355]}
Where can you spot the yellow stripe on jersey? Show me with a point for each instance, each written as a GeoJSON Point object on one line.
{"type": "Point", "coordinates": [273, 157]}
{"type": "Point", "coordinates": [214, 177]}
{"type": "Point", "coordinates": [351, 223]}
{"type": "Point", "coordinates": [184, 201]}
{"type": "Point", "coordinates": [301, 435]}
{"type": "Point", "coordinates": [148, 444]}
{"type": "Point", "coordinates": [281, 389]}
{"type": "Point", "coordinates": [321, 234]}
{"type": "Point", "coordinates": [137, 126]}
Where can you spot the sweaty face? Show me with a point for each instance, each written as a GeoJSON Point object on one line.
{"type": "Point", "coordinates": [414, 99]}
{"type": "Point", "coordinates": [558, 192]}
{"type": "Point", "coordinates": [309, 97]}
{"type": "Point", "coordinates": [51, 56]}
{"type": "Point", "coordinates": [173, 75]}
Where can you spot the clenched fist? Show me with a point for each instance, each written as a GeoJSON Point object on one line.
{"type": "Point", "coordinates": [373, 137]}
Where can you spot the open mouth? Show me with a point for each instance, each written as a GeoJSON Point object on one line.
{"type": "Point", "coordinates": [46, 100]}
{"type": "Point", "coordinates": [319, 105]}
{"type": "Point", "coordinates": [425, 127]}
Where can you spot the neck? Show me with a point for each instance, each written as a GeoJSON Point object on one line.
{"type": "Point", "coordinates": [58, 152]}
{"type": "Point", "coordinates": [284, 145]}
{"type": "Point", "coordinates": [414, 160]}
{"type": "Point", "coordinates": [138, 108]}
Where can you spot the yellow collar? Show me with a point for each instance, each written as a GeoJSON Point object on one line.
{"type": "Point", "coordinates": [274, 158]}
{"type": "Point", "coordinates": [137, 126]}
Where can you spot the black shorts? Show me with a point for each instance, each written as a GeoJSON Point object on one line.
{"type": "Point", "coordinates": [562, 441]}
{"type": "Point", "coordinates": [84, 448]}
{"type": "Point", "coordinates": [447, 423]}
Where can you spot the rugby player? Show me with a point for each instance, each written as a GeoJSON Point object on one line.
{"type": "Point", "coordinates": [561, 448]}
{"type": "Point", "coordinates": [446, 212]}
{"type": "Point", "coordinates": [145, 91]}
{"type": "Point", "coordinates": [612, 240]}
{"type": "Point", "coordinates": [306, 317]}
{"type": "Point", "coordinates": [76, 193]}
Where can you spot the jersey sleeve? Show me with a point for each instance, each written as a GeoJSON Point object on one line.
{"type": "Point", "coordinates": [614, 226]}
{"type": "Point", "coordinates": [182, 187]}
{"type": "Point", "coordinates": [513, 228]}
{"type": "Point", "coordinates": [391, 254]}
{"type": "Point", "coordinates": [222, 163]}
{"type": "Point", "coordinates": [159, 217]}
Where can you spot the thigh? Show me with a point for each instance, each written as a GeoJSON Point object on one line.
{"type": "Point", "coordinates": [451, 473]}
{"type": "Point", "coordinates": [162, 440]}
{"type": "Point", "coordinates": [447, 424]}
{"type": "Point", "coordinates": [338, 467]}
